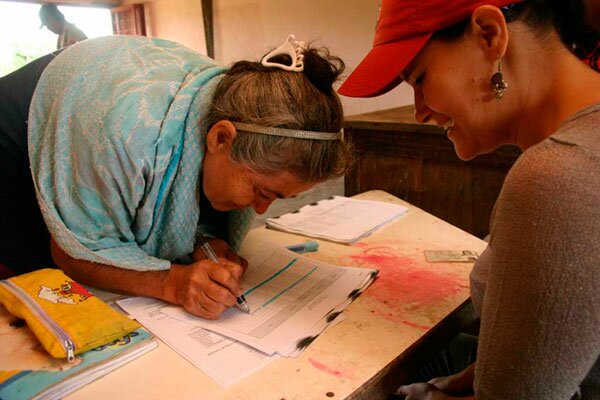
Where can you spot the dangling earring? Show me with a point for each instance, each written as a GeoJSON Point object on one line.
{"type": "Point", "coordinates": [499, 85]}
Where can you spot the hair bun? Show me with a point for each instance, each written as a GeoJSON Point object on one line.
{"type": "Point", "coordinates": [321, 68]}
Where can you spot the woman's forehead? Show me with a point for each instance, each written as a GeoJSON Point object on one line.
{"type": "Point", "coordinates": [436, 50]}
{"type": "Point", "coordinates": [281, 183]}
{"type": "Point", "coordinates": [410, 68]}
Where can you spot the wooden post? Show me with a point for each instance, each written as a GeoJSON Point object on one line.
{"type": "Point", "coordinates": [207, 16]}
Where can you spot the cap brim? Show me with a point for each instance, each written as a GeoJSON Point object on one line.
{"type": "Point", "coordinates": [379, 72]}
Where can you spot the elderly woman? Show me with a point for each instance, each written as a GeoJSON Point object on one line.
{"type": "Point", "coordinates": [507, 72]}
{"type": "Point", "coordinates": [137, 146]}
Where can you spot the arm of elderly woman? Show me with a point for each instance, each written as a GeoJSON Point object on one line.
{"type": "Point", "coordinates": [203, 288]}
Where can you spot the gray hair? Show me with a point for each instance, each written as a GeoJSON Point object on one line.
{"type": "Point", "coordinates": [271, 97]}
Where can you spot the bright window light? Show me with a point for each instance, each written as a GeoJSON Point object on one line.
{"type": "Point", "coordinates": [24, 41]}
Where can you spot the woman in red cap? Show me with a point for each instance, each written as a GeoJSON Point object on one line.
{"type": "Point", "coordinates": [503, 72]}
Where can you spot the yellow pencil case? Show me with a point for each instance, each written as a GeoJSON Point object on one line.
{"type": "Point", "coordinates": [65, 317]}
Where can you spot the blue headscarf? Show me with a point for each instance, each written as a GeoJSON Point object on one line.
{"type": "Point", "coordinates": [116, 142]}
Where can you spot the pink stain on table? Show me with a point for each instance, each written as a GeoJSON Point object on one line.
{"type": "Point", "coordinates": [414, 325]}
{"type": "Point", "coordinates": [320, 366]}
{"type": "Point", "coordinates": [405, 281]}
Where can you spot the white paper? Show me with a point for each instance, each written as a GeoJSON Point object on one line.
{"type": "Point", "coordinates": [339, 219]}
{"type": "Point", "coordinates": [291, 298]}
{"type": "Point", "coordinates": [224, 360]}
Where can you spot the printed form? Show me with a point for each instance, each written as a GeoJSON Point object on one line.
{"type": "Point", "coordinates": [292, 299]}
{"type": "Point", "coordinates": [224, 360]}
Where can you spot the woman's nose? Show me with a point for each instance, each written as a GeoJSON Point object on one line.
{"type": "Point", "coordinates": [261, 206]}
{"type": "Point", "coordinates": [422, 113]}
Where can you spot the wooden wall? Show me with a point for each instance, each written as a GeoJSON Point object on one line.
{"type": "Point", "coordinates": [417, 163]}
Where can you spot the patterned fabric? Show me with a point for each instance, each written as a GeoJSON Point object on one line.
{"type": "Point", "coordinates": [116, 131]}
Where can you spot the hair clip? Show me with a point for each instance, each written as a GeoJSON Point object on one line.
{"type": "Point", "coordinates": [291, 48]}
{"type": "Point", "coordinates": [510, 7]}
{"type": "Point", "coordinates": [292, 133]}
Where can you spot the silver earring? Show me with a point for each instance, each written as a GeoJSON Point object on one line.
{"type": "Point", "coordinates": [499, 85]}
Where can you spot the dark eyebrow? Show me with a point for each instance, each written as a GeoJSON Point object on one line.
{"type": "Point", "coordinates": [276, 193]}
{"type": "Point", "coordinates": [405, 75]}
{"type": "Point", "coordinates": [408, 71]}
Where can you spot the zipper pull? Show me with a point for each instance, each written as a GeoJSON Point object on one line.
{"type": "Point", "coordinates": [70, 351]}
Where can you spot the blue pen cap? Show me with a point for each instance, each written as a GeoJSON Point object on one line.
{"type": "Point", "coordinates": [311, 246]}
{"type": "Point", "coordinates": [304, 247]}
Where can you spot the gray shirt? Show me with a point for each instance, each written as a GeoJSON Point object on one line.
{"type": "Point", "coordinates": [537, 285]}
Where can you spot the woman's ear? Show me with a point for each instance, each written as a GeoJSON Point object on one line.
{"type": "Point", "coordinates": [220, 137]}
{"type": "Point", "coordinates": [488, 26]}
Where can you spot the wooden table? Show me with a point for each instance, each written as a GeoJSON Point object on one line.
{"type": "Point", "coordinates": [417, 163]}
{"type": "Point", "coordinates": [412, 302]}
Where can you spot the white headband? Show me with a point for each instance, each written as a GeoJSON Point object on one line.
{"type": "Point", "coordinates": [292, 133]}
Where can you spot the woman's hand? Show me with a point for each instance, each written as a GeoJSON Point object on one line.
{"type": "Point", "coordinates": [459, 384]}
{"type": "Point", "coordinates": [221, 249]}
{"type": "Point", "coordinates": [421, 391]}
{"type": "Point", "coordinates": [204, 288]}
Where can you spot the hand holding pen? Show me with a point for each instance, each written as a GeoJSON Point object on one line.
{"type": "Point", "coordinates": [204, 288]}
{"type": "Point", "coordinates": [210, 254]}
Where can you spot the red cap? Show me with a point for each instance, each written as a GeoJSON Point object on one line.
{"type": "Point", "coordinates": [403, 29]}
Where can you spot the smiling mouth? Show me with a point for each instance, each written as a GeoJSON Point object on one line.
{"type": "Point", "coordinates": [448, 126]}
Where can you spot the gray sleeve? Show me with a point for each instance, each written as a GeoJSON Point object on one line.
{"type": "Point", "coordinates": [540, 325]}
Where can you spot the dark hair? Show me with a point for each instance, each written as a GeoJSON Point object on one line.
{"type": "Point", "coordinates": [568, 18]}
{"type": "Point", "coordinates": [50, 11]}
{"type": "Point", "coordinates": [272, 97]}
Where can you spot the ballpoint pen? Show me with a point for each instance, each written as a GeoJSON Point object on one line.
{"type": "Point", "coordinates": [210, 254]}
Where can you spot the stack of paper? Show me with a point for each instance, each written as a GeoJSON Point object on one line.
{"type": "Point", "coordinates": [292, 300]}
{"type": "Point", "coordinates": [224, 360]}
{"type": "Point", "coordinates": [338, 219]}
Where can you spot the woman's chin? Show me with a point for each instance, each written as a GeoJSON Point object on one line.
{"type": "Point", "coordinates": [227, 206]}
{"type": "Point", "coordinates": [463, 152]}
{"type": "Point", "coordinates": [221, 206]}
{"type": "Point", "coordinates": [466, 157]}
